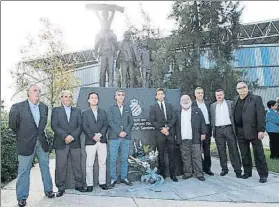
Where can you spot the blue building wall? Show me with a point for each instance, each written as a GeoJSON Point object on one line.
{"type": "Point", "coordinates": [259, 62]}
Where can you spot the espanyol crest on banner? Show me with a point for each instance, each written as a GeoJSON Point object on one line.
{"type": "Point", "coordinates": [135, 107]}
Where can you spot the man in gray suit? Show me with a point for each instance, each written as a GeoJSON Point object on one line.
{"type": "Point", "coordinates": [66, 124]}
{"type": "Point", "coordinates": [224, 132]}
{"type": "Point", "coordinates": [28, 120]}
{"type": "Point", "coordinates": [120, 122]}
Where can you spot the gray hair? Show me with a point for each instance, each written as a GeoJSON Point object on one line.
{"type": "Point", "coordinates": [66, 91]}
{"type": "Point", "coordinates": [30, 86]}
{"type": "Point", "coordinates": [198, 88]}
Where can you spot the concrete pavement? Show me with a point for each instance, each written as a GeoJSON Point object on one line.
{"type": "Point", "coordinates": [225, 191]}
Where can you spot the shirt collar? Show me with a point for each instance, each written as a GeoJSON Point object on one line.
{"type": "Point", "coordinates": [159, 102]}
{"type": "Point", "coordinates": [66, 107]}
{"type": "Point", "coordinates": [31, 104]}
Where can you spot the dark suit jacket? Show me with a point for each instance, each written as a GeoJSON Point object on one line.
{"type": "Point", "coordinates": [21, 121]}
{"type": "Point", "coordinates": [197, 122]}
{"type": "Point", "coordinates": [253, 116]}
{"type": "Point", "coordinates": [115, 121]}
{"type": "Point", "coordinates": [62, 128]}
{"type": "Point", "coordinates": [90, 126]}
{"type": "Point", "coordinates": [157, 118]}
{"type": "Point", "coordinates": [207, 103]}
{"type": "Point", "coordinates": [213, 115]}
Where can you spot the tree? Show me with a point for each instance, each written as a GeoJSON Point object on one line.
{"type": "Point", "coordinates": [43, 63]}
{"type": "Point", "coordinates": [204, 28]}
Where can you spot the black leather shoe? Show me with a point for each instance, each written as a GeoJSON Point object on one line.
{"type": "Point", "coordinates": [209, 173]}
{"type": "Point", "coordinates": [185, 177]}
{"type": "Point", "coordinates": [112, 183]}
{"type": "Point", "coordinates": [105, 187]}
{"type": "Point", "coordinates": [126, 181]}
{"type": "Point", "coordinates": [81, 189]}
{"type": "Point", "coordinates": [224, 172]}
{"type": "Point", "coordinates": [238, 175]}
{"type": "Point", "coordinates": [50, 194]}
{"type": "Point", "coordinates": [89, 189]}
{"type": "Point", "coordinates": [22, 203]}
{"type": "Point", "coordinates": [246, 175]}
{"type": "Point", "coordinates": [201, 178]}
{"type": "Point", "coordinates": [60, 193]}
{"type": "Point", "coordinates": [174, 178]}
{"type": "Point", "coordinates": [263, 180]}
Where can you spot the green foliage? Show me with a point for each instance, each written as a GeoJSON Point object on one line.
{"type": "Point", "coordinates": [204, 28]}
{"type": "Point", "coordinates": [43, 63]}
{"type": "Point", "coordinates": [9, 160]}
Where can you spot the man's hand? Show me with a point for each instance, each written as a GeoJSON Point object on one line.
{"type": "Point", "coordinates": [260, 135]}
{"type": "Point", "coordinates": [165, 131]}
{"type": "Point", "coordinates": [68, 139]}
{"type": "Point", "coordinates": [203, 137]}
{"type": "Point", "coordinates": [122, 134]}
{"type": "Point", "coordinates": [96, 138]}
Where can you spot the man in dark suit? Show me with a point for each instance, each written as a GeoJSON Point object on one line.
{"type": "Point", "coordinates": [120, 122]}
{"type": "Point", "coordinates": [205, 108]}
{"type": "Point", "coordinates": [66, 124]}
{"type": "Point", "coordinates": [224, 132]}
{"type": "Point", "coordinates": [190, 131]}
{"type": "Point", "coordinates": [249, 119]}
{"type": "Point", "coordinates": [94, 126]}
{"type": "Point", "coordinates": [162, 117]}
{"type": "Point", "coordinates": [28, 120]}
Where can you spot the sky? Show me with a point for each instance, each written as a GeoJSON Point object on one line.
{"type": "Point", "coordinates": [80, 26]}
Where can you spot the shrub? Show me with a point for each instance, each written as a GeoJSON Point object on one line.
{"type": "Point", "coordinates": [9, 160]}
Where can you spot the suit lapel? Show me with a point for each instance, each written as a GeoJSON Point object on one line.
{"type": "Point", "coordinates": [246, 101]}
{"type": "Point", "coordinates": [30, 113]}
{"type": "Point", "coordinates": [42, 112]}
{"type": "Point", "coordinates": [72, 114]}
{"type": "Point", "coordinates": [93, 115]}
{"type": "Point", "coordinates": [229, 108]}
{"type": "Point", "coordinates": [64, 114]}
{"type": "Point", "coordinates": [214, 113]}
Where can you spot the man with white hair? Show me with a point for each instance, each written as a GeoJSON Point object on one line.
{"type": "Point", "coordinates": [249, 120]}
{"type": "Point", "coordinates": [28, 120]}
{"type": "Point", "coordinates": [190, 131]}
{"type": "Point", "coordinates": [66, 124]}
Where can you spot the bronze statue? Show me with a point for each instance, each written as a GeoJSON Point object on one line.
{"type": "Point", "coordinates": [128, 60]}
{"type": "Point", "coordinates": [106, 42]}
{"type": "Point", "coordinates": [145, 69]}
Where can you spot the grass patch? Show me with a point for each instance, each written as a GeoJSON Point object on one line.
{"type": "Point", "coordinates": [273, 165]}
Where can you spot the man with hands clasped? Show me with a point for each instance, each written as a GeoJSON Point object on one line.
{"type": "Point", "coordinates": [66, 124]}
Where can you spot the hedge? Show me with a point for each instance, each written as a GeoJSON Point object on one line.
{"type": "Point", "coordinates": [9, 160]}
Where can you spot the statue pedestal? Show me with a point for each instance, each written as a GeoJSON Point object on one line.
{"type": "Point", "coordinates": [140, 100]}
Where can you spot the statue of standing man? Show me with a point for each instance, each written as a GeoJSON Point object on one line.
{"type": "Point", "coordinates": [128, 60]}
{"type": "Point", "coordinates": [146, 64]}
{"type": "Point", "coordinates": [106, 42]}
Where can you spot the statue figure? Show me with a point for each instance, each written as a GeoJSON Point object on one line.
{"type": "Point", "coordinates": [128, 60]}
{"type": "Point", "coordinates": [106, 42]}
{"type": "Point", "coordinates": [145, 69]}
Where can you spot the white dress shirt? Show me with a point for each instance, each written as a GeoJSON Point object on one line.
{"type": "Point", "coordinates": [186, 124]}
{"type": "Point", "coordinates": [95, 112]}
{"type": "Point", "coordinates": [164, 106]}
{"type": "Point", "coordinates": [68, 112]}
{"type": "Point", "coordinates": [203, 108]}
{"type": "Point", "coordinates": [222, 116]}
{"type": "Point", "coordinates": [121, 109]}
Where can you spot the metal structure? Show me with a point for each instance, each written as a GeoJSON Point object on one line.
{"type": "Point", "coordinates": [265, 32]}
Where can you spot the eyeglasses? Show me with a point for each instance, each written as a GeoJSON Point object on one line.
{"type": "Point", "coordinates": [241, 87]}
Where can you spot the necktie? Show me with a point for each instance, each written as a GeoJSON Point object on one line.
{"type": "Point", "coordinates": [162, 109]}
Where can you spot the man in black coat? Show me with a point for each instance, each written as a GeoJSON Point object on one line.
{"type": "Point", "coordinates": [66, 124]}
{"type": "Point", "coordinates": [205, 108]}
{"type": "Point", "coordinates": [190, 131]}
{"type": "Point", "coordinates": [249, 119]}
{"type": "Point", "coordinates": [28, 120]}
{"type": "Point", "coordinates": [162, 117]}
{"type": "Point", "coordinates": [94, 126]}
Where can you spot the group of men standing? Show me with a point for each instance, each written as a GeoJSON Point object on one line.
{"type": "Point", "coordinates": [191, 127]}
{"type": "Point", "coordinates": [233, 123]}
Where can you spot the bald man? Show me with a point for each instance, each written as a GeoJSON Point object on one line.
{"type": "Point", "coordinates": [190, 131]}
{"type": "Point", "coordinates": [249, 119]}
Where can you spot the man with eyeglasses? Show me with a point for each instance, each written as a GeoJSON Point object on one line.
{"type": "Point", "coordinates": [28, 120]}
{"type": "Point", "coordinates": [120, 123]}
{"type": "Point", "coordinates": [249, 119]}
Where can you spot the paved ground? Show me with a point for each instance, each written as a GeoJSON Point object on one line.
{"type": "Point", "coordinates": [215, 191]}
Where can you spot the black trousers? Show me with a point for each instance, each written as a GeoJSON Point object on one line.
{"type": "Point", "coordinates": [223, 137]}
{"type": "Point", "coordinates": [206, 162]}
{"type": "Point", "coordinates": [165, 144]}
{"type": "Point", "coordinates": [244, 146]}
{"type": "Point", "coordinates": [274, 145]}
